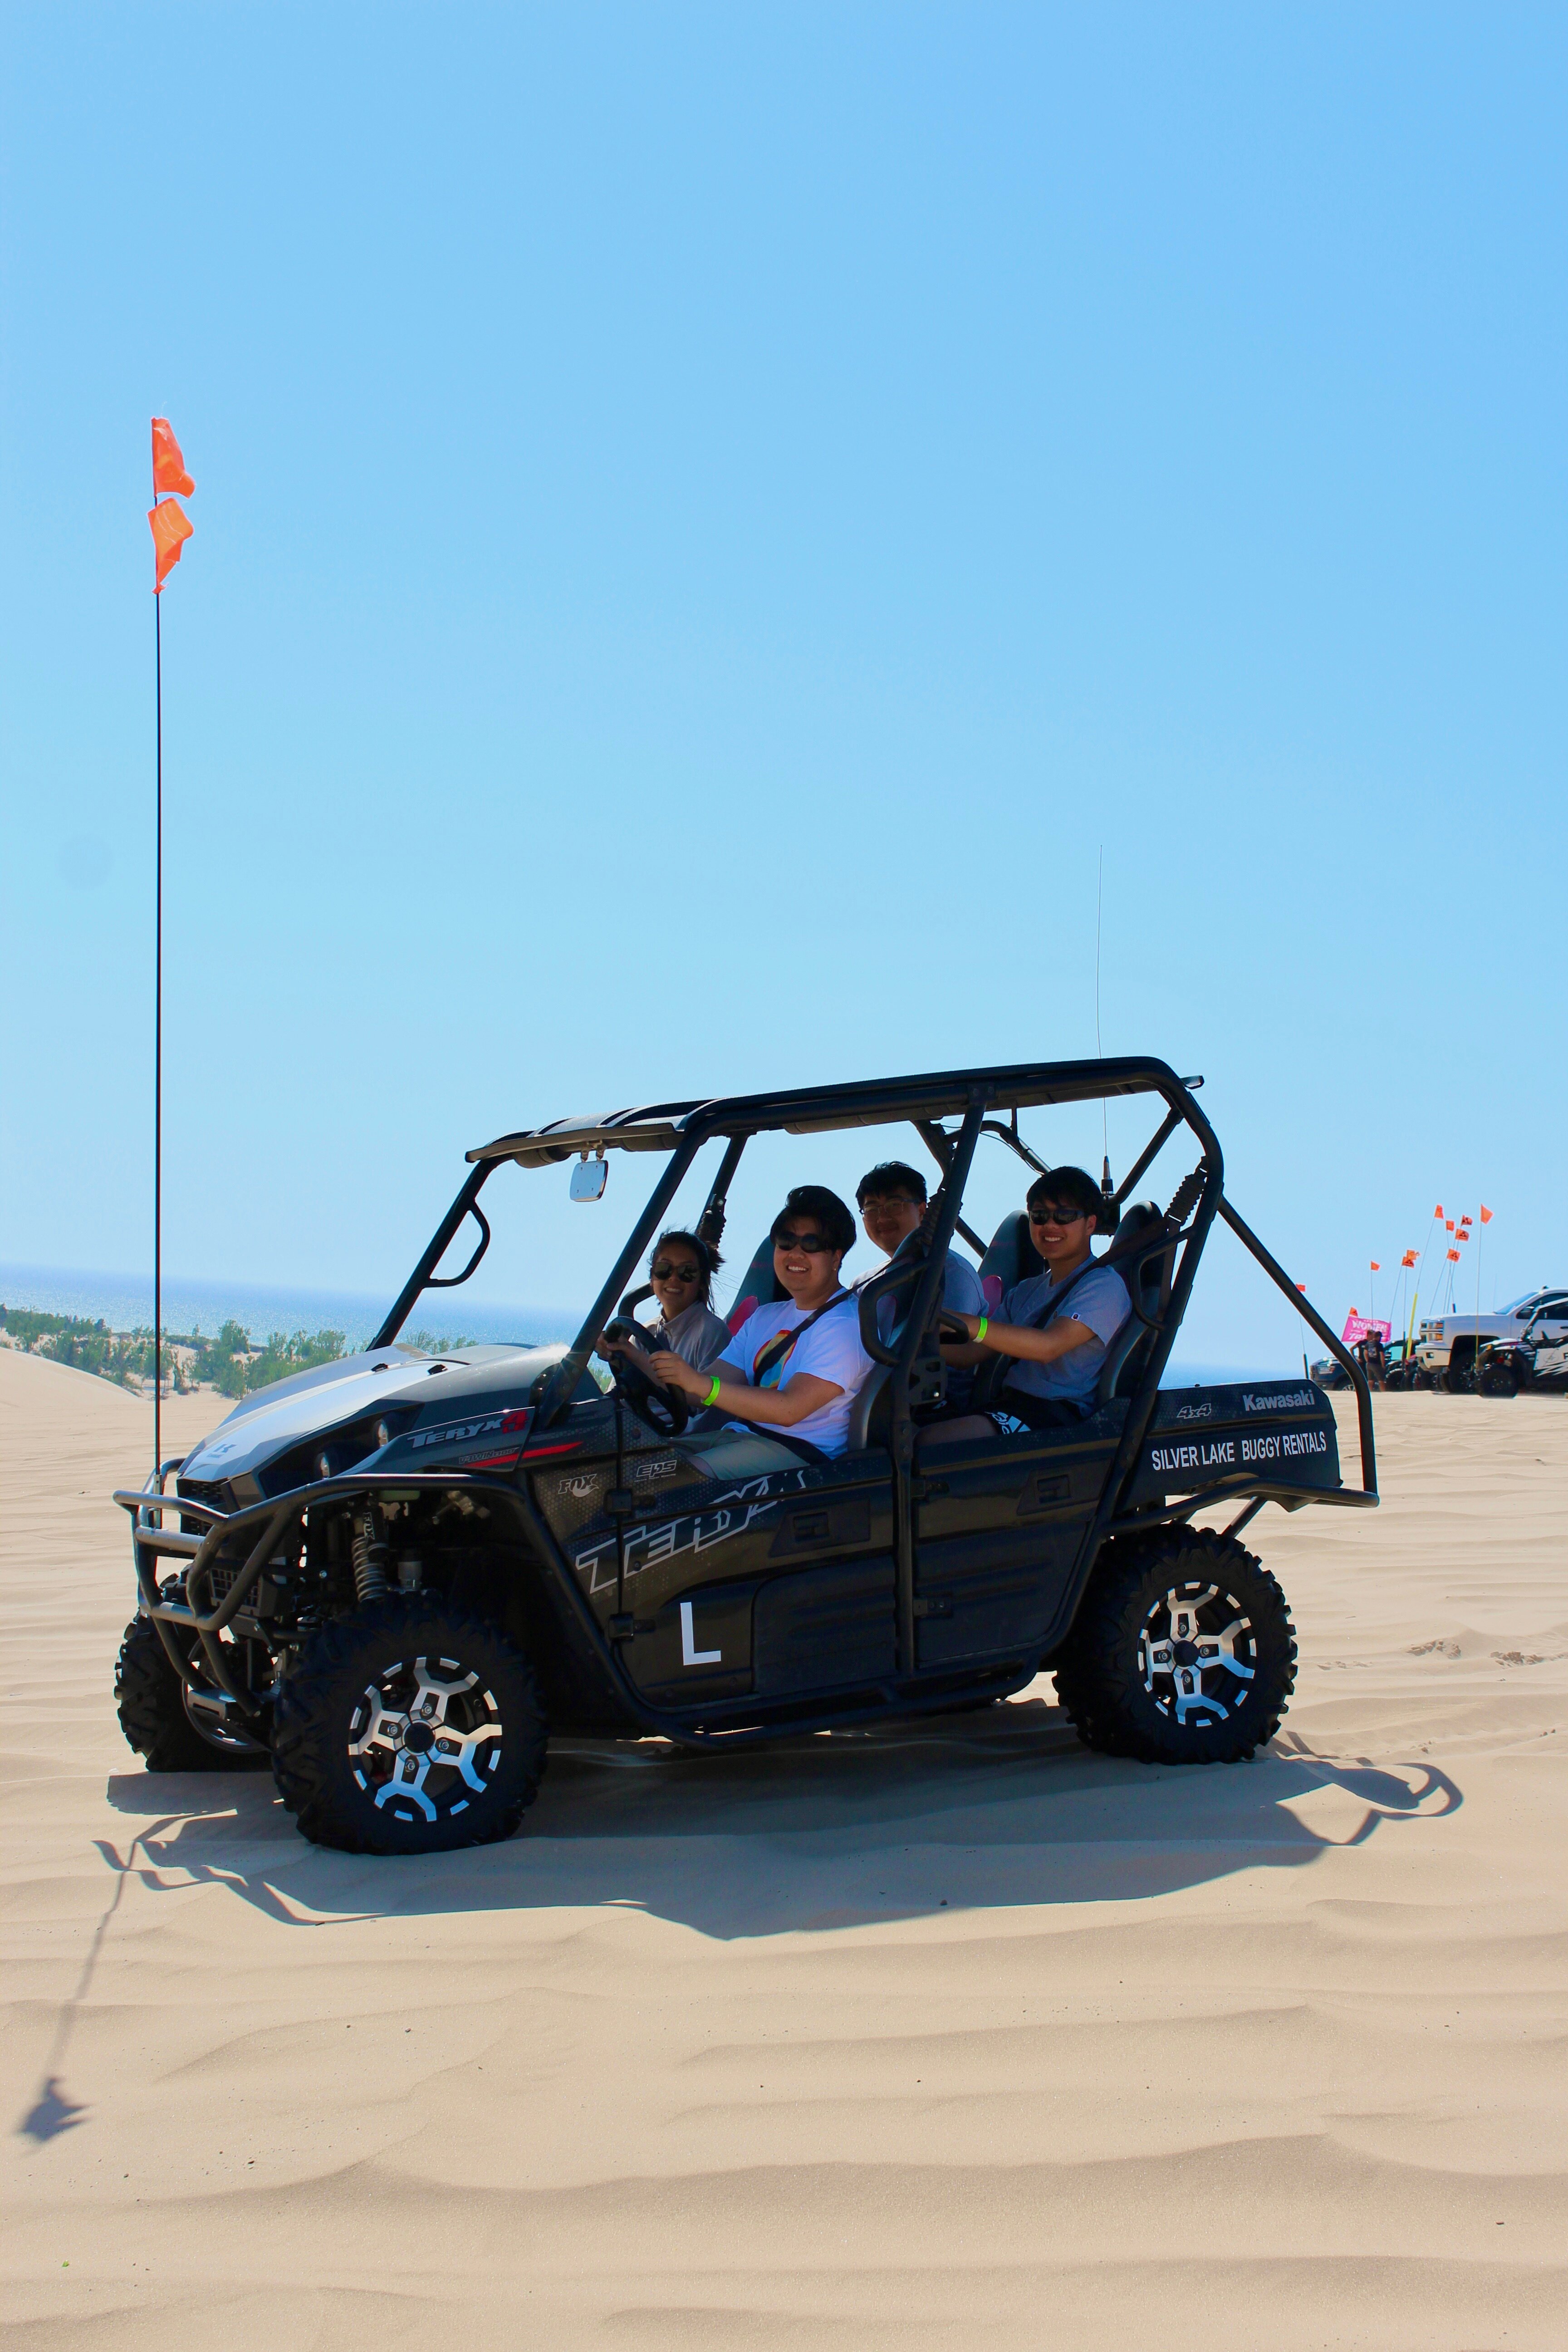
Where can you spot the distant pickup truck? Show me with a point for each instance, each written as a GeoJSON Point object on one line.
{"type": "Point", "coordinates": [1446, 1346]}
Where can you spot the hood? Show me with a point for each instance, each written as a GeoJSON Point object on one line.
{"type": "Point", "coordinates": [345, 1400]}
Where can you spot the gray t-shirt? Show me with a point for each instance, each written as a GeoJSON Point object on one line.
{"type": "Point", "coordinates": [1098, 1300]}
{"type": "Point", "coordinates": [961, 1291]}
{"type": "Point", "coordinates": [697, 1336]}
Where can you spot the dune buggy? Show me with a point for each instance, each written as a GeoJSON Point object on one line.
{"type": "Point", "coordinates": [393, 1577]}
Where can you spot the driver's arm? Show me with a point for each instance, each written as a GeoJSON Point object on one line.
{"type": "Point", "coordinates": [1019, 1339]}
{"type": "Point", "coordinates": [780, 1408]}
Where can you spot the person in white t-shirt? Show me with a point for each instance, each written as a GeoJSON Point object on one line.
{"type": "Point", "coordinates": [788, 1378]}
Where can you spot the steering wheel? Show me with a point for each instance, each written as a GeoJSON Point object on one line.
{"type": "Point", "coordinates": [664, 1411]}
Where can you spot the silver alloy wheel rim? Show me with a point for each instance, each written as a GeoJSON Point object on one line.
{"type": "Point", "coordinates": [1196, 1668]}
{"type": "Point", "coordinates": [425, 1739]}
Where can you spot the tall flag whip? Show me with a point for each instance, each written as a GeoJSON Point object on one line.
{"type": "Point", "coordinates": [169, 529]}
{"type": "Point", "coordinates": [1098, 1048]}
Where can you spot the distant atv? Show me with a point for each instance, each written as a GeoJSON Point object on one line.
{"type": "Point", "coordinates": [1536, 1361]}
{"type": "Point", "coordinates": [395, 1576]}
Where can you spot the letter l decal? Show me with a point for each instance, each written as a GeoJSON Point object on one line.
{"type": "Point", "coordinates": [691, 1655]}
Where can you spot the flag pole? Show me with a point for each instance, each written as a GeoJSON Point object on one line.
{"type": "Point", "coordinates": [158, 1042]}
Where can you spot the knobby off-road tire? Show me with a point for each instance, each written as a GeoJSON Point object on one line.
{"type": "Point", "coordinates": [408, 1727]}
{"type": "Point", "coordinates": [153, 1717]}
{"type": "Point", "coordinates": [1182, 1653]}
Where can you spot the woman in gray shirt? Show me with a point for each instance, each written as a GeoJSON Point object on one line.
{"type": "Point", "coordinates": [681, 1271]}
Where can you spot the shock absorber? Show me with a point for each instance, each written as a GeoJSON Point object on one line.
{"type": "Point", "coordinates": [369, 1557]}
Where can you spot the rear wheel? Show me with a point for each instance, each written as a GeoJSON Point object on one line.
{"type": "Point", "coordinates": [168, 1731]}
{"type": "Point", "coordinates": [1184, 1652]}
{"type": "Point", "coordinates": [408, 1727]}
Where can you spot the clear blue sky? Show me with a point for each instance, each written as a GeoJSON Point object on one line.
{"type": "Point", "coordinates": [706, 520]}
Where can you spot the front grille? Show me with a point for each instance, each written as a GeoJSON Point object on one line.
{"type": "Point", "coordinates": [203, 1490]}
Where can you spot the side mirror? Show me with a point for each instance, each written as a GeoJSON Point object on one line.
{"type": "Point", "coordinates": [589, 1179]}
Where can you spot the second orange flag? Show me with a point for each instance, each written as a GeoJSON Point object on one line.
{"type": "Point", "coordinates": [170, 529]}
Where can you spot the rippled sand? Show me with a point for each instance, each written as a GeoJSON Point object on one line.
{"type": "Point", "coordinates": [888, 2041]}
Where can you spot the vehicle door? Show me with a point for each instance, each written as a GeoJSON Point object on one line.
{"type": "Point", "coordinates": [997, 1525]}
{"type": "Point", "coordinates": [777, 1584]}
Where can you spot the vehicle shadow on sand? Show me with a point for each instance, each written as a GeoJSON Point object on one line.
{"type": "Point", "coordinates": [997, 1807]}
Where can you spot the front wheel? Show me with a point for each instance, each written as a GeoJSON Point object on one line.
{"type": "Point", "coordinates": [1184, 1652]}
{"type": "Point", "coordinates": [169, 1731]}
{"type": "Point", "coordinates": [408, 1727]}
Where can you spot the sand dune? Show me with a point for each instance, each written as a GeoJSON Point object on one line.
{"type": "Point", "coordinates": [887, 2039]}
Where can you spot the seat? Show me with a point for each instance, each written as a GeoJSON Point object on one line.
{"type": "Point", "coordinates": [760, 1286]}
{"type": "Point", "coordinates": [1146, 1271]}
{"type": "Point", "coordinates": [1010, 1258]}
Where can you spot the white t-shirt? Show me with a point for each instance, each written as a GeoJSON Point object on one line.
{"type": "Point", "coordinates": [830, 1350]}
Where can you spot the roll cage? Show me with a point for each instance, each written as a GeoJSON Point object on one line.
{"type": "Point", "coordinates": [949, 1110]}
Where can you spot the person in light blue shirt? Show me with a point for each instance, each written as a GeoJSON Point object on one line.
{"type": "Point", "coordinates": [1056, 1357]}
{"type": "Point", "coordinates": [891, 1198]}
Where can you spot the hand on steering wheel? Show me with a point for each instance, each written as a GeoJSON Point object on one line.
{"type": "Point", "coordinates": [664, 1411]}
{"type": "Point", "coordinates": [952, 1328]}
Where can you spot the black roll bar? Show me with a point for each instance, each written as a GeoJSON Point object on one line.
{"type": "Point", "coordinates": [560, 1383]}
{"type": "Point", "coordinates": [921, 1308]}
{"type": "Point", "coordinates": [421, 1278]}
{"type": "Point", "coordinates": [1336, 1348]}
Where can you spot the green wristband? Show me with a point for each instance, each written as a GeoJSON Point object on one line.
{"type": "Point", "coordinates": [982, 1327]}
{"type": "Point", "coordinates": [713, 1395]}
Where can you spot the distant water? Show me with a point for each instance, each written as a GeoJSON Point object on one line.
{"type": "Point", "coordinates": [125, 1303]}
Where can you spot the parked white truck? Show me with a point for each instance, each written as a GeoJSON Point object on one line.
{"type": "Point", "coordinates": [1446, 1346]}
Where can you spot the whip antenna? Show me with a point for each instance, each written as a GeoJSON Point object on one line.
{"type": "Point", "coordinates": [1098, 1048]}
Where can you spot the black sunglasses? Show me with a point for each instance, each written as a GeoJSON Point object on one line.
{"type": "Point", "coordinates": [812, 1243]}
{"type": "Point", "coordinates": [1057, 1216]}
{"type": "Point", "coordinates": [663, 1271]}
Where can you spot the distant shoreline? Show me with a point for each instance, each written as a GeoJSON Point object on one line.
{"type": "Point", "coordinates": [205, 1303]}
{"type": "Point", "coordinates": [125, 1304]}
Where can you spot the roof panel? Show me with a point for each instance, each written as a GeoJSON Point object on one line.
{"type": "Point", "coordinates": [815, 1110]}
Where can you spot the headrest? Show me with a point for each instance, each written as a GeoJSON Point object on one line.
{"type": "Point", "coordinates": [1012, 1257]}
{"type": "Point", "coordinates": [760, 1286]}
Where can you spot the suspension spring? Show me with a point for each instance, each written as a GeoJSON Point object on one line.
{"type": "Point", "coordinates": [369, 1558]}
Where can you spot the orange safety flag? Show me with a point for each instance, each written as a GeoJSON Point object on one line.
{"type": "Point", "coordinates": [170, 532]}
{"type": "Point", "coordinates": [1485, 1214]}
{"type": "Point", "coordinates": [168, 466]}
{"type": "Point", "coordinates": [1451, 1224]}
{"type": "Point", "coordinates": [1408, 1259]}
{"type": "Point", "coordinates": [1455, 1255]}
{"type": "Point", "coordinates": [1438, 1210]}
{"type": "Point", "coordinates": [1374, 1265]}
{"type": "Point", "coordinates": [1467, 1220]}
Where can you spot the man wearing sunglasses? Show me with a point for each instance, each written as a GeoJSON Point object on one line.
{"type": "Point", "coordinates": [790, 1374]}
{"type": "Point", "coordinates": [891, 1198]}
{"type": "Point", "coordinates": [1056, 1357]}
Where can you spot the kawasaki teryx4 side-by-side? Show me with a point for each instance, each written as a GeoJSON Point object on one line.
{"type": "Point", "coordinates": [393, 1577]}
